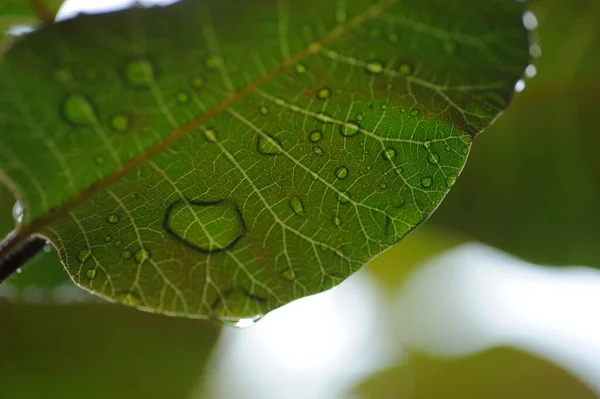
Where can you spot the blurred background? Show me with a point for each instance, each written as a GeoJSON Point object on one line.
{"type": "Point", "coordinates": [496, 296]}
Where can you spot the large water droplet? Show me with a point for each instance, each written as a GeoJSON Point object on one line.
{"type": "Point", "coordinates": [139, 73]}
{"type": "Point", "coordinates": [77, 110]}
{"type": "Point", "coordinates": [349, 129]}
{"type": "Point", "coordinates": [341, 172]}
{"type": "Point", "coordinates": [297, 206]}
{"type": "Point", "coordinates": [18, 213]}
{"type": "Point", "coordinates": [241, 323]}
{"type": "Point", "coordinates": [208, 227]}
{"type": "Point", "coordinates": [268, 145]}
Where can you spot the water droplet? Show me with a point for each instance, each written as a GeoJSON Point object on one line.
{"type": "Point", "coordinates": [447, 148]}
{"type": "Point", "coordinates": [141, 255]}
{"type": "Point", "coordinates": [405, 69]}
{"type": "Point", "coordinates": [535, 50]}
{"type": "Point", "coordinates": [317, 150]}
{"type": "Point", "coordinates": [324, 93]}
{"type": "Point", "coordinates": [300, 69]}
{"type": "Point", "coordinates": [118, 243]}
{"type": "Point", "coordinates": [450, 181]}
{"type": "Point", "coordinates": [208, 227]}
{"type": "Point", "coordinates": [99, 160]}
{"type": "Point", "coordinates": [344, 198]}
{"type": "Point", "coordinates": [349, 129]}
{"type": "Point", "coordinates": [520, 85]}
{"type": "Point", "coordinates": [213, 62]}
{"type": "Point", "coordinates": [383, 106]}
{"type": "Point", "coordinates": [414, 113]}
{"type": "Point", "coordinates": [84, 255]}
{"type": "Point", "coordinates": [297, 206]}
{"type": "Point", "coordinates": [263, 110]}
{"type": "Point", "coordinates": [383, 186]}
{"type": "Point", "coordinates": [530, 21]}
{"type": "Point", "coordinates": [129, 299]}
{"type": "Point", "coordinates": [324, 247]}
{"type": "Point", "coordinates": [289, 275]}
{"type": "Point", "coordinates": [433, 158]}
{"type": "Point", "coordinates": [374, 67]}
{"type": "Point", "coordinates": [107, 239]}
{"type": "Point", "coordinates": [337, 221]}
{"type": "Point", "coordinates": [389, 153]}
{"type": "Point", "coordinates": [182, 97]}
{"type": "Point", "coordinates": [359, 117]}
{"type": "Point", "coordinates": [18, 213]}
{"type": "Point", "coordinates": [119, 122]}
{"type": "Point", "coordinates": [426, 182]}
{"type": "Point", "coordinates": [315, 136]}
{"type": "Point", "coordinates": [268, 145]}
{"type": "Point", "coordinates": [47, 247]}
{"type": "Point", "coordinates": [90, 274]}
{"type": "Point", "coordinates": [241, 323]}
{"type": "Point", "coordinates": [210, 135]}
{"type": "Point", "coordinates": [113, 218]}
{"type": "Point", "coordinates": [19, 270]}
{"type": "Point", "coordinates": [198, 82]}
{"type": "Point", "coordinates": [78, 110]}
{"type": "Point", "coordinates": [341, 172]}
{"type": "Point", "coordinates": [140, 73]}
{"type": "Point", "coordinates": [126, 254]}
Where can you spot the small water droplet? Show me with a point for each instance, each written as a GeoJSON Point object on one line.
{"type": "Point", "coordinates": [349, 129]}
{"type": "Point", "coordinates": [78, 110]}
{"type": "Point", "coordinates": [297, 206]}
{"type": "Point", "coordinates": [447, 148]}
{"type": "Point", "coordinates": [300, 69]}
{"type": "Point", "coordinates": [289, 275]}
{"type": "Point", "coordinates": [19, 270]}
{"type": "Point", "coordinates": [141, 255]}
{"type": "Point", "coordinates": [113, 218]}
{"type": "Point", "coordinates": [324, 93]}
{"type": "Point", "coordinates": [344, 198]}
{"type": "Point", "coordinates": [119, 122]}
{"type": "Point", "coordinates": [241, 323]}
{"type": "Point", "coordinates": [374, 67]}
{"type": "Point", "coordinates": [129, 299]}
{"type": "Point", "coordinates": [315, 136]}
{"type": "Point", "coordinates": [530, 71]}
{"type": "Point", "coordinates": [317, 150]}
{"type": "Point", "coordinates": [210, 135]}
{"type": "Point", "coordinates": [118, 243]}
{"type": "Point", "coordinates": [341, 172]}
{"type": "Point", "coordinates": [520, 86]}
{"type": "Point", "coordinates": [337, 221]}
{"type": "Point", "coordinates": [389, 153]}
{"type": "Point", "coordinates": [324, 247]}
{"type": "Point", "coordinates": [359, 117]}
{"type": "Point", "coordinates": [383, 107]}
{"type": "Point", "coordinates": [213, 62]}
{"type": "Point", "coordinates": [198, 82]}
{"type": "Point", "coordinates": [433, 158]}
{"type": "Point", "coordinates": [450, 181]}
{"type": "Point", "coordinates": [126, 255]}
{"type": "Point", "coordinates": [535, 50]}
{"type": "Point", "coordinates": [414, 113]}
{"type": "Point", "coordinates": [263, 110]}
{"type": "Point", "coordinates": [268, 145]}
{"type": "Point", "coordinates": [84, 255]}
{"type": "Point", "coordinates": [182, 97]}
{"type": "Point", "coordinates": [140, 73]}
{"type": "Point", "coordinates": [383, 186]}
{"type": "Point", "coordinates": [426, 182]}
{"type": "Point", "coordinates": [99, 160]}
{"type": "Point", "coordinates": [90, 274]}
{"type": "Point", "coordinates": [405, 69]}
{"type": "Point", "coordinates": [18, 212]}
{"type": "Point", "coordinates": [107, 239]}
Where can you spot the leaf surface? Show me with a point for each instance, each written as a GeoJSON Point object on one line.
{"type": "Point", "coordinates": [222, 158]}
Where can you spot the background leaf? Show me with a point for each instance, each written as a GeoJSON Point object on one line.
{"type": "Point", "coordinates": [223, 158]}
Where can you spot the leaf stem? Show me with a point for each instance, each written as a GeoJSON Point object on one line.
{"type": "Point", "coordinates": [20, 255]}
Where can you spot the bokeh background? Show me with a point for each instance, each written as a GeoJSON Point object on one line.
{"type": "Point", "coordinates": [496, 296]}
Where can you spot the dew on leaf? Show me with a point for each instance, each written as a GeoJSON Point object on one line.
{"type": "Point", "coordinates": [118, 243]}
{"type": "Point", "coordinates": [126, 254]}
{"type": "Point", "coordinates": [213, 63]}
{"type": "Point", "coordinates": [374, 67]}
{"type": "Point", "coordinates": [324, 93]}
{"type": "Point", "coordinates": [341, 172]}
{"type": "Point", "coordinates": [289, 275]}
{"type": "Point", "coordinates": [268, 145]}
{"type": "Point", "coordinates": [315, 136]}
{"type": "Point", "coordinates": [405, 69]}
{"type": "Point", "coordinates": [433, 158]}
{"type": "Point", "coordinates": [208, 227]}
{"type": "Point", "coordinates": [317, 150]}
{"type": "Point", "coordinates": [18, 212]}
{"type": "Point", "coordinates": [389, 153]}
{"type": "Point", "coordinates": [119, 122]}
{"type": "Point", "coordinates": [426, 182]}
{"type": "Point", "coordinates": [113, 218]}
{"type": "Point", "coordinates": [90, 274]}
{"type": "Point", "coordinates": [129, 299]}
{"type": "Point", "coordinates": [300, 69]}
{"type": "Point", "coordinates": [84, 254]}
{"type": "Point", "coordinates": [210, 135]}
{"type": "Point", "coordinates": [450, 181]}
{"type": "Point", "coordinates": [139, 73]}
{"type": "Point", "coordinates": [297, 206]}
{"type": "Point", "coordinates": [107, 239]}
{"type": "Point", "coordinates": [359, 117]}
{"type": "Point", "coordinates": [263, 110]}
{"type": "Point", "coordinates": [349, 129]}
{"type": "Point", "coordinates": [197, 82]}
{"type": "Point", "coordinates": [182, 97]}
{"type": "Point", "coordinates": [99, 160]}
{"type": "Point", "coordinates": [337, 221]}
{"type": "Point", "coordinates": [78, 110]}
{"type": "Point", "coordinates": [414, 113]}
{"type": "Point", "coordinates": [344, 198]}
{"type": "Point", "coordinates": [383, 186]}
{"type": "Point", "coordinates": [141, 255]}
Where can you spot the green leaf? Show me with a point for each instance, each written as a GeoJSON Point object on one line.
{"type": "Point", "coordinates": [223, 158]}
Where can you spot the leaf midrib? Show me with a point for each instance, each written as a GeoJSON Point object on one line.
{"type": "Point", "coordinates": [38, 224]}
